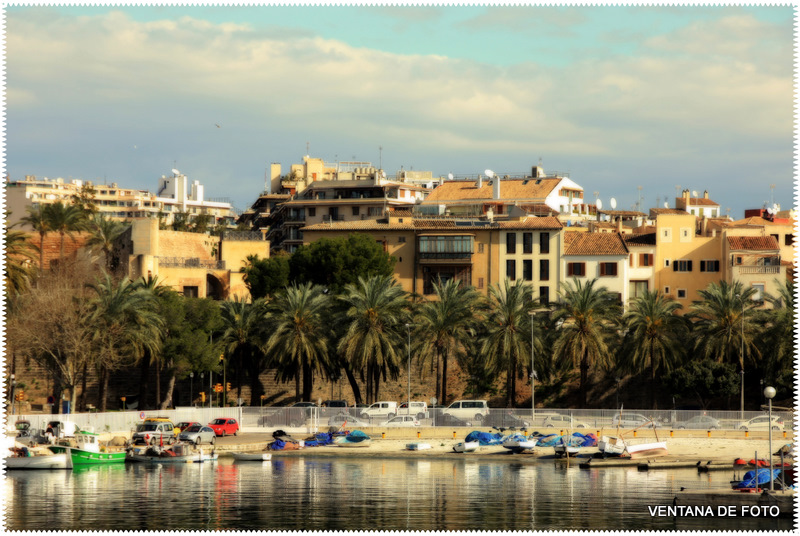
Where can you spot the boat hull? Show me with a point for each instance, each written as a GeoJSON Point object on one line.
{"type": "Point", "coordinates": [344, 442]}
{"type": "Point", "coordinates": [56, 461]}
{"type": "Point", "coordinates": [469, 446]}
{"type": "Point", "coordinates": [191, 458]}
{"type": "Point", "coordinates": [647, 450]}
{"type": "Point", "coordinates": [252, 456]}
{"type": "Point", "coordinates": [85, 457]}
{"type": "Point", "coordinates": [418, 446]}
{"type": "Point", "coordinates": [611, 446]}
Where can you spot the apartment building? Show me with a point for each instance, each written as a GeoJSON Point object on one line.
{"type": "Point", "coordinates": [641, 263]}
{"type": "Point", "coordinates": [601, 256]}
{"type": "Point", "coordinates": [530, 250]}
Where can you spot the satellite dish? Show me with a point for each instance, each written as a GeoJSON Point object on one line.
{"type": "Point", "coordinates": [666, 204]}
{"type": "Point", "coordinates": [694, 193]}
{"type": "Point", "coordinates": [489, 173]}
{"type": "Point", "coordinates": [450, 176]}
{"type": "Point", "coordinates": [770, 211]}
{"type": "Point", "coordinates": [613, 203]}
{"type": "Point", "coordinates": [175, 171]}
{"type": "Point", "coordinates": [775, 208]}
{"type": "Point", "coordinates": [598, 204]}
{"type": "Point", "coordinates": [383, 174]}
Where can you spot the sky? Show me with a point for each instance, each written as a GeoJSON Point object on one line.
{"type": "Point", "coordinates": [662, 98]}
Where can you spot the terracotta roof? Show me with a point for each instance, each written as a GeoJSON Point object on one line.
{"type": "Point", "coordinates": [644, 229]}
{"type": "Point", "coordinates": [623, 213]}
{"type": "Point", "coordinates": [755, 221]}
{"type": "Point", "coordinates": [402, 212]}
{"type": "Point", "coordinates": [657, 211]}
{"type": "Point", "coordinates": [753, 242]}
{"type": "Point", "coordinates": [349, 201]}
{"type": "Point", "coordinates": [509, 189]}
{"type": "Point", "coordinates": [436, 223]}
{"type": "Point", "coordinates": [594, 244]}
{"type": "Point", "coordinates": [697, 201]}
{"type": "Point", "coordinates": [643, 239]}
{"type": "Point", "coordinates": [359, 225]}
{"type": "Point", "coordinates": [532, 223]}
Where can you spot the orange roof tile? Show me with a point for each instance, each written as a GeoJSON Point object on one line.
{"type": "Point", "coordinates": [623, 213]}
{"type": "Point", "coordinates": [538, 208]}
{"type": "Point", "coordinates": [594, 244]}
{"type": "Point", "coordinates": [641, 239]}
{"type": "Point", "coordinates": [509, 189]}
{"type": "Point", "coordinates": [698, 201]}
{"type": "Point", "coordinates": [657, 211]}
{"type": "Point", "coordinates": [753, 242]}
{"type": "Point", "coordinates": [755, 221]}
{"type": "Point", "coordinates": [532, 223]}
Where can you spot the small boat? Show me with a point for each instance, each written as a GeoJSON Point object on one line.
{"type": "Point", "coordinates": [568, 445]}
{"type": "Point", "coordinates": [356, 438]}
{"type": "Point", "coordinates": [611, 446]}
{"type": "Point", "coordinates": [647, 450]}
{"type": "Point", "coordinates": [24, 458]}
{"type": "Point", "coordinates": [179, 453]}
{"type": "Point", "coordinates": [252, 456]}
{"type": "Point", "coordinates": [466, 446]}
{"type": "Point", "coordinates": [757, 479]}
{"type": "Point", "coordinates": [418, 446]}
{"type": "Point", "coordinates": [518, 443]}
{"type": "Point", "coordinates": [88, 451]}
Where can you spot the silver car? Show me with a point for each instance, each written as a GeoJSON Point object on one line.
{"type": "Point", "coordinates": [197, 434]}
{"type": "Point", "coordinates": [345, 419]}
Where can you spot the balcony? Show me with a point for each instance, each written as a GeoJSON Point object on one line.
{"type": "Point", "coordinates": [327, 218]}
{"type": "Point", "coordinates": [758, 269]}
{"type": "Point", "coordinates": [191, 262]}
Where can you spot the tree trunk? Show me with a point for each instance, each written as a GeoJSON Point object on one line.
{"type": "Point", "coordinates": [144, 380]}
{"type": "Point", "coordinates": [170, 387]}
{"type": "Point", "coordinates": [297, 385]}
{"type": "Point", "coordinates": [353, 384]}
{"type": "Point", "coordinates": [158, 384]}
{"type": "Point", "coordinates": [82, 400]}
{"type": "Point", "coordinates": [307, 382]}
{"type": "Point", "coordinates": [584, 377]}
{"type": "Point", "coordinates": [444, 378]}
{"type": "Point", "coordinates": [104, 375]}
{"type": "Point", "coordinates": [256, 389]}
{"type": "Point", "coordinates": [438, 379]}
{"type": "Point", "coordinates": [653, 398]}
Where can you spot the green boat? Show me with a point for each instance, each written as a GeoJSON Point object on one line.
{"type": "Point", "coordinates": [88, 451]}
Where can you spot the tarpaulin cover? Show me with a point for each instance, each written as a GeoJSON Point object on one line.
{"type": "Point", "coordinates": [484, 438]}
{"type": "Point", "coordinates": [751, 481]}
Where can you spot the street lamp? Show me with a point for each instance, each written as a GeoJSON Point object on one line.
{"type": "Point", "coordinates": [769, 392]}
{"type": "Point", "coordinates": [408, 330]}
{"type": "Point", "coordinates": [191, 388]}
{"type": "Point", "coordinates": [202, 375]}
{"type": "Point", "coordinates": [13, 394]}
{"type": "Point", "coordinates": [741, 362]}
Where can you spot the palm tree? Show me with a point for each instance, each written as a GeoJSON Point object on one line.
{"type": "Point", "coordinates": [125, 324]}
{"type": "Point", "coordinates": [376, 313]}
{"type": "Point", "coordinates": [299, 340]}
{"type": "Point", "coordinates": [37, 219]}
{"type": "Point", "coordinates": [507, 340]}
{"type": "Point", "coordinates": [19, 272]}
{"type": "Point", "coordinates": [655, 336]}
{"type": "Point", "coordinates": [153, 286]}
{"type": "Point", "coordinates": [444, 324]}
{"type": "Point", "coordinates": [243, 341]}
{"type": "Point", "coordinates": [780, 329]}
{"type": "Point", "coordinates": [104, 232]}
{"type": "Point", "coordinates": [585, 314]}
{"type": "Point", "coordinates": [65, 220]}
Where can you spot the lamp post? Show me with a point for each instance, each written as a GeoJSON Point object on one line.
{"type": "Point", "coordinates": [13, 394]}
{"type": "Point", "coordinates": [202, 375]}
{"type": "Point", "coordinates": [191, 388]}
{"type": "Point", "coordinates": [224, 379]}
{"type": "Point", "coordinates": [616, 397]}
{"type": "Point", "coordinates": [769, 392]}
{"type": "Point", "coordinates": [741, 362]}
{"type": "Point", "coordinates": [533, 376]}
{"type": "Point", "coordinates": [408, 330]}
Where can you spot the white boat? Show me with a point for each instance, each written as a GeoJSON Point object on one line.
{"type": "Point", "coordinates": [569, 446]}
{"type": "Point", "coordinates": [39, 461]}
{"type": "Point", "coordinates": [611, 446]}
{"type": "Point", "coordinates": [356, 438]}
{"type": "Point", "coordinates": [468, 446]}
{"type": "Point", "coordinates": [252, 456]}
{"type": "Point", "coordinates": [179, 453]}
{"type": "Point", "coordinates": [418, 446]}
{"type": "Point", "coordinates": [518, 443]}
{"type": "Point", "coordinates": [647, 450]}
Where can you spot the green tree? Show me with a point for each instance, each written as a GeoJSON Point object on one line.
{"type": "Point", "coordinates": [243, 341]}
{"type": "Point", "coordinates": [507, 341]}
{"type": "Point", "coordinates": [19, 270]}
{"type": "Point", "coordinates": [265, 277]}
{"type": "Point", "coordinates": [300, 334]}
{"type": "Point", "coordinates": [202, 223]}
{"type": "Point", "coordinates": [65, 220]}
{"type": "Point", "coordinates": [655, 336]}
{"type": "Point", "coordinates": [586, 315]}
{"type": "Point", "coordinates": [103, 235]}
{"type": "Point", "coordinates": [155, 287]}
{"type": "Point", "coordinates": [779, 333]}
{"type": "Point", "coordinates": [443, 327]}
{"type": "Point", "coordinates": [38, 221]}
{"type": "Point", "coordinates": [703, 380]}
{"type": "Point", "coordinates": [376, 312]}
{"type": "Point", "coordinates": [180, 222]}
{"type": "Point", "coordinates": [335, 263]}
{"type": "Point", "coordinates": [84, 200]}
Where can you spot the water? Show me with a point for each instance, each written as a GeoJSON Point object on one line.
{"type": "Point", "coordinates": [306, 493]}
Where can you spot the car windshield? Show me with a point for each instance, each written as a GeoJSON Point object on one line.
{"type": "Point", "coordinates": [147, 428]}
{"type": "Point", "coordinates": [218, 421]}
{"type": "Point", "coordinates": [195, 428]}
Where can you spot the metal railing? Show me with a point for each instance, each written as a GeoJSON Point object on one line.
{"type": "Point", "coordinates": [191, 262]}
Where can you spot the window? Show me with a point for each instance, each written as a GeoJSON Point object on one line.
{"type": "Point", "coordinates": [312, 211]}
{"type": "Point", "coordinates": [788, 240]}
{"type": "Point", "coordinates": [576, 269]}
{"type": "Point", "coordinates": [666, 235]}
{"type": "Point", "coordinates": [480, 248]}
{"type": "Point", "coordinates": [630, 260]}
{"type": "Point", "coordinates": [608, 269]}
{"type": "Point", "coordinates": [709, 266]}
{"type": "Point", "coordinates": [511, 269]}
{"type": "Point", "coordinates": [355, 211]}
{"type": "Point", "coordinates": [636, 288]}
{"type": "Point", "coordinates": [480, 282]}
{"type": "Point", "coordinates": [686, 234]}
{"type": "Point", "coordinates": [453, 247]}
{"type": "Point", "coordinates": [666, 263]}
{"type": "Point", "coordinates": [401, 239]}
{"type": "Point", "coordinates": [645, 259]}
{"type": "Point", "coordinates": [527, 242]}
{"type": "Point", "coordinates": [190, 292]}
{"type": "Point", "coordinates": [681, 293]}
{"type": "Point", "coordinates": [527, 270]}
{"type": "Point", "coordinates": [544, 296]}
{"type": "Point", "coordinates": [544, 270]}
{"type": "Point", "coordinates": [544, 242]}
{"type": "Point", "coordinates": [738, 260]}
{"type": "Point", "coordinates": [666, 290]}
{"type": "Point", "coordinates": [511, 243]}
{"type": "Point", "coordinates": [759, 295]}
{"type": "Point", "coordinates": [682, 266]}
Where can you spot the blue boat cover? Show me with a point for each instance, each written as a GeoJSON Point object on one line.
{"type": "Point", "coordinates": [484, 438]}
{"type": "Point", "coordinates": [356, 436]}
{"type": "Point", "coordinates": [750, 479]}
{"type": "Point", "coordinates": [549, 440]}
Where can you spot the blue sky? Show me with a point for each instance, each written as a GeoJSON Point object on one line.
{"type": "Point", "coordinates": [619, 97]}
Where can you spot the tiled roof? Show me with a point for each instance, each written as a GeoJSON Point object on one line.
{"type": "Point", "coordinates": [657, 211]}
{"type": "Point", "coordinates": [623, 213]}
{"type": "Point", "coordinates": [644, 229]}
{"type": "Point", "coordinates": [594, 244]}
{"type": "Point", "coordinates": [755, 221]}
{"type": "Point", "coordinates": [349, 201]}
{"type": "Point", "coordinates": [643, 239]}
{"type": "Point", "coordinates": [532, 223]}
{"type": "Point", "coordinates": [359, 225]}
{"type": "Point", "coordinates": [509, 189]}
{"type": "Point", "coordinates": [698, 201]}
{"type": "Point", "coordinates": [753, 242]}
{"type": "Point", "coordinates": [435, 224]}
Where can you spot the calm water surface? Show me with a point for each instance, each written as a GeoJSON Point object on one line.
{"type": "Point", "coordinates": [377, 494]}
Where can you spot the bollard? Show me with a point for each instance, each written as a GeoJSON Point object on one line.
{"type": "Point", "coordinates": [418, 434]}
{"type": "Point", "coordinates": [634, 433]}
{"type": "Point", "coordinates": [784, 434]}
{"type": "Point", "coordinates": [672, 433]}
{"type": "Point", "coordinates": [708, 432]}
{"type": "Point", "coordinates": [454, 434]}
{"type": "Point", "coordinates": [383, 435]}
{"type": "Point", "coordinates": [746, 433]}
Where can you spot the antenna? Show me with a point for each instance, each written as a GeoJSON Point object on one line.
{"type": "Point", "coordinates": [694, 193]}
{"type": "Point", "coordinates": [489, 173]}
{"type": "Point", "coordinates": [613, 203]}
{"type": "Point", "coordinates": [599, 204]}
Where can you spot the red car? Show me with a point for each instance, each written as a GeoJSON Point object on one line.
{"type": "Point", "coordinates": [224, 426]}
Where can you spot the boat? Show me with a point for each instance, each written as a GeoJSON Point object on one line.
{"type": "Point", "coordinates": [466, 446]}
{"type": "Point", "coordinates": [356, 438]}
{"type": "Point", "coordinates": [758, 478]}
{"type": "Point", "coordinates": [88, 451]}
{"type": "Point", "coordinates": [568, 445]}
{"type": "Point", "coordinates": [179, 453]}
{"type": "Point", "coordinates": [647, 450]}
{"type": "Point", "coordinates": [611, 446]}
{"type": "Point", "coordinates": [418, 446]}
{"type": "Point", "coordinates": [252, 456]}
{"type": "Point", "coordinates": [25, 458]}
{"type": "Point", "coordinates": [518, 443]}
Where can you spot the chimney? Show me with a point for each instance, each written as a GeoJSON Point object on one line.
{"type": "Point", "coordinates": [705, 194]}
{"type": "Point", "coordinates": [490, 214]}
{"type": "Point", "coordinates": [496, 189]}
{"type": "Point", "coordinates": [619, 225]}
{"type": "Point", "coordinates": [480, 181]}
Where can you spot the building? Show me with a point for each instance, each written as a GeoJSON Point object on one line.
{"type": "Point", "coordinates": [601, 256]}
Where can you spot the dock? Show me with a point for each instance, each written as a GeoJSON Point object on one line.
{"type": "Point", "coordinates": [766, 503]}
{"type": "Point", "coordinates": [653, 464]}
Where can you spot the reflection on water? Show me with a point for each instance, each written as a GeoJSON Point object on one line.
{"type": "Point", "coordinates": [294, 493]}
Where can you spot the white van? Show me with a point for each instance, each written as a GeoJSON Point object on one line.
{"type": "Point", "coordinates": [468, 410]}
{"type": "Point", "coordinates": [418, 409]}
{"type": "Point", "coordinates": [380, 409]}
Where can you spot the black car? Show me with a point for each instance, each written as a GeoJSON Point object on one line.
{"type": "Point", "coordinates": [503, 419]}
{"type": "Point", "coordinates": [444, 419]}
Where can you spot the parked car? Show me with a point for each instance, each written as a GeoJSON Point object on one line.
{"type": "Point", "coordinates": [449, 420]}
{"type": "Point", "coordinates": [163, 419]}
{"type": "Point", "coordinates": [499, 418]}
{"type": "Point", "coordinates": [61, 429]}
{"type": "Point", "coordinates": [154, 433]}
{"type": "Point", "coordinates": [181, 426]}
{"type": "Point", "coordinates": [197, 434]}
{"type": "Point", "coordinates": [385, 409]}
{"type": "Point", "coordinates": [701, 422]}
{"type": "Point", "coordinates": [420, 409]}
{"type": "Point", "coordinates": [472, 411]}
{"type": "Point", "coordinates": [335, 404]}
{"type": "Point", "coordinates": [401, 421]}
{"type": "Point", "coordinates": [632, 420]}
{"type": "Point", "coordinates": [563, 421]}
{"type": "Point", "coordinates": [762, 423]}
{"type": "Point", "coordinates": [224, 426]}
{"type": "Point", "coordinates": [351, 421]}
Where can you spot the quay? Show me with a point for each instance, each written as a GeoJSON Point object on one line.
{"type": "Point", "coordinates": [744, 503]}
